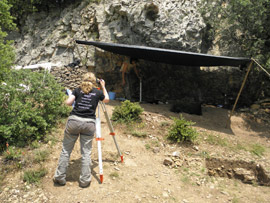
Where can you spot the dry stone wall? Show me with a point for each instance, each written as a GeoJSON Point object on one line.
{"type": "Point", "coordinates": [69, 77]}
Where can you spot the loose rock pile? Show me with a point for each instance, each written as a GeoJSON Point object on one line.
{"type": "Point", "coordinates": [260, 111]}
{"type": "Point", "coordinates": [69, 77]}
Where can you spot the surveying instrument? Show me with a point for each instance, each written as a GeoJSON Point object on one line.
{"type": "Point", "coordinates": [99, 138]}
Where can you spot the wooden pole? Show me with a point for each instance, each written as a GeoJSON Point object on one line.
{"type": "Point", "coordinates": [261, 67]}
{"type": "Point", "coordinates": [240, 91]}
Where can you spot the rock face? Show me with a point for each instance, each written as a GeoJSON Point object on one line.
{"type": "Point", "coordinates": [160, 23]}
{"type": "Point", "coordinates": [164, 24]}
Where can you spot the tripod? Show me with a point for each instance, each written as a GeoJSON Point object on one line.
{"type": "Point", "coordinates": [99, 139]}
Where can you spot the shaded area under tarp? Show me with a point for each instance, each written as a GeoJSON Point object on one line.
{"type": "Point", "coordinates": [168, 56]}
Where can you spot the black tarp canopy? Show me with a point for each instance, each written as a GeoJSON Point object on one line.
{"type": "Point", "coordinates": [168, 56]}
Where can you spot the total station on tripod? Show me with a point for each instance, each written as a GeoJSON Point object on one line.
{"type": "Point", "coordinates": [98, 81]}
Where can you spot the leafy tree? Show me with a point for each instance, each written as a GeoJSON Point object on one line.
{"type": "Point", "coordinates": [20, 9]}
{"type": "Point", "coordinates": [6, 51]}
{"type": "Point", "coordinates": [242, 26]}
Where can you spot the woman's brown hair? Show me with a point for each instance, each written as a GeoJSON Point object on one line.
{"type": "Point", "coordinates": [88, 82]}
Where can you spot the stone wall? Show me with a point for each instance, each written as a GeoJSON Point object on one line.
{"type": "Point", "coordinates": [69, 77]}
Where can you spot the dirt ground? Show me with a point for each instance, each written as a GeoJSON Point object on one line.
{"type": "Point", "coordinates": [155, 170]}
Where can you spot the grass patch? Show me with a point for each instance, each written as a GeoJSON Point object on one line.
{"type": "Point", "coordinates": [147, 146]}
{"type": "Point", "coordinates": [139, 125]}
{"type": "Point", "coordinates": [216, 140]}
{"type": "Point", "coordinates": [204, 154]}
{"type": "Point", "coordinates": [139, 134]}
{"type": "Point", "coordinates": [257, 149]}
{"type": "Point", "coordinates": [213, 139]}
{"type": "Point", "coordinates": [240, 146]}
{"type": "Point", "coordinates": [35, 144]}
{"type": "Point", "coordinates": [164, 124]}
{"type": "Point", "coordinates": [41, 156]}
{"type": "Point", "coordinates": [114, 175]}
{"type": "Point", "coordinates": [185, 179]}
{"type": "Point", "coordinates": [34, 176]}
{"type": "Point", "coordinates": [174, 199]}
{"type": "Point", "coordinates": [185, 169]}
{"type": "Point", "coordinates": [235, 200]}
{"type": "Point", "coordinates": [51, 140]}
{"type": "Point", "coordinates": [203, 170]}
{"type": "Point", "coordinates": [153, 143]}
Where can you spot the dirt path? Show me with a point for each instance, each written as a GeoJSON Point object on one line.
{"type": "Point", "coordinates": [143, 177]}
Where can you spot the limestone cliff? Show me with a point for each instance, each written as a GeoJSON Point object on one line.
{"type": "Point", "coordinates": [165, 24]}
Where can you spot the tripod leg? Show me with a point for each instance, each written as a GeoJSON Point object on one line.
{"type": "Point", "coordinates": [99, 139]}
{"type": "Point", "coordinates": [111, 130]}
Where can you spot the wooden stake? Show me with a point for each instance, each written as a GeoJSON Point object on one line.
{"type": "Point", "coordinates": [240, 91]}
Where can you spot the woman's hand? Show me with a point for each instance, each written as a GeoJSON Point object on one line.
{"type": "Point", "coordinates": [102, 83]}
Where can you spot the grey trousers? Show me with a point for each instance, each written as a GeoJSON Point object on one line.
{"type": "Point", "coordinates": [75, 128]}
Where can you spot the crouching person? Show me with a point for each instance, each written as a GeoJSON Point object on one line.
{"type": "Point", "coordinates": [81, 123]}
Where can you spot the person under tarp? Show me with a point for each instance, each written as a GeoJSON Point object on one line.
{"type": "Point", "coordinates": [130, 76]}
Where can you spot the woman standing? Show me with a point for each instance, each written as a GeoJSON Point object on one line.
{"type": "Point", "coordinates": [81, 123]}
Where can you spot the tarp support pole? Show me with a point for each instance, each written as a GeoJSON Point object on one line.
{"type": "Point", "coordinates": [261, 67]}
{"type": "Point", "coordinates": [240, 91]}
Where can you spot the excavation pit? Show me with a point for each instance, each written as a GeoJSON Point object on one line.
{"type": "Point", "coordinates": [247, 172]}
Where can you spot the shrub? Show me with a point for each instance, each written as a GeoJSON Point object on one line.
{"type": "Point", "coordinates": [181, 130]}
{"type": "Point", "coordinates": [12, 153]}
{"type": "Point", "coordinates": [127, 112]}
{"type": "Point", "coordinates": [31, 103]}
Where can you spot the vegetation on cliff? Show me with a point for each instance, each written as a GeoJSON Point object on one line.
{"type": "Point", "coordinates": [6, 51]}
{"type": "Point", "coordinates": [242, 26]}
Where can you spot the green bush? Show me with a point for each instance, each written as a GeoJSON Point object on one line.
{"type": "Point", "coordinates": [127, 112]}
{"type": "Point", "coordinates": [29, 112]}
{"type": "Point", "coordinates": [181, 130]}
